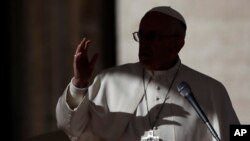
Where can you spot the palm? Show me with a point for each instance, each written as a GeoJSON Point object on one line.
{"type": "Point", "coordinates": [83, 67]}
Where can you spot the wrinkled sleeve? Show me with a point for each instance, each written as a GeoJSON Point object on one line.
{"type": "Point", "coordinates": [74, 121]}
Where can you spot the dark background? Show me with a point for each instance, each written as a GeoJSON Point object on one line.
{"type": "Point", "coordinates": [39, 40]}
{"type": "Point", "coordinates": [6, 113]}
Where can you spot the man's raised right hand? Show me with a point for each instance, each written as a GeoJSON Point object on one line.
{"type": "Point", "coordinates": [83, 67]}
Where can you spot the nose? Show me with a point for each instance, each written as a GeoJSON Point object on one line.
{"type": "Point", "coordinates": [146, 44]}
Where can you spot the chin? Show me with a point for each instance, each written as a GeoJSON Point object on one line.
{"type": "Point", "coordinates": [147, 64]}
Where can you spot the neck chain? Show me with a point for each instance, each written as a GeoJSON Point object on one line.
{"type": "Point", "coordinates": [145, 95]}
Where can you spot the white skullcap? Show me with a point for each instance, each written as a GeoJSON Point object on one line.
{"type": "Point", "coordinates": [170, 12]}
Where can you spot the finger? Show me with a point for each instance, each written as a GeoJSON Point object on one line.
{"type": "Point", "coordinates": [93, 60]}
{"type": "Point", "coordinates": [86, 46]}
{"type": "Point", "coordinates": [75, 62]}
{"type": "Point", "coordinates": [77, 55]}
{"type": "Point", "coordinates": [76, 58]}
{"type": "Point", "coordinates": [80, 46]}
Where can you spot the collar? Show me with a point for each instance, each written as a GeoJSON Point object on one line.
{"type": "Point", "coordinates": [168, 74]}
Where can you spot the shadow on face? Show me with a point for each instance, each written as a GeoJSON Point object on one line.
{"type": "Point", "coordinates": [161, 37]}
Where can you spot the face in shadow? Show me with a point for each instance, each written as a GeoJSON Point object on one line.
{"type": "Point", "coordinates": [161, 37]}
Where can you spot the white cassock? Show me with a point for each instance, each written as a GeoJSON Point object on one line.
{"type": "Point", "coordinates": [115, 109]}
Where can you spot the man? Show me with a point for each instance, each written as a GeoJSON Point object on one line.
{"type": "Point", "coordinates": [140, 101]}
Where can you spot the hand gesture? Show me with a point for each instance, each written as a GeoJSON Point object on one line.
{"type": "Point", "coordinates": [83, 67]}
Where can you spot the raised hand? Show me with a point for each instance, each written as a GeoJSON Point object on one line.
{"type": "Point", "coordinates": [83, 67]}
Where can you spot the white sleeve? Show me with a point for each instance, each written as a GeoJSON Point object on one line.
{"type": "Point", "coordinates": [75, 120]}
{"type": "Point", "coordinates": [72, 121]}
{"type": "Point", "coordinates": [75, 96]}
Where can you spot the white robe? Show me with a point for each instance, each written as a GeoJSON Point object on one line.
{"type": "Point", "coordinates": [115, 109]}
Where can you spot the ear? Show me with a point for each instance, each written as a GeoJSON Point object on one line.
{"type": "Point", "coordinates": [180, 44]}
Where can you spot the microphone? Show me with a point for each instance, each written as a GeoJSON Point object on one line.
{"type": "Point", "coordinates": [184, 89]}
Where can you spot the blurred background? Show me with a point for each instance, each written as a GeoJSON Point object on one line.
{"type": "Point", "coordinates": [43, 35]}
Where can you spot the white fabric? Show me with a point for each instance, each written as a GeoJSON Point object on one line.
{"type": "Point", "coordinates": [114, 108]}
{"type": "Point", "coordinates": [77, 94]}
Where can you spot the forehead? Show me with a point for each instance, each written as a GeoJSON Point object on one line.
{"type": "Point", "coordinates": [157, 22]}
